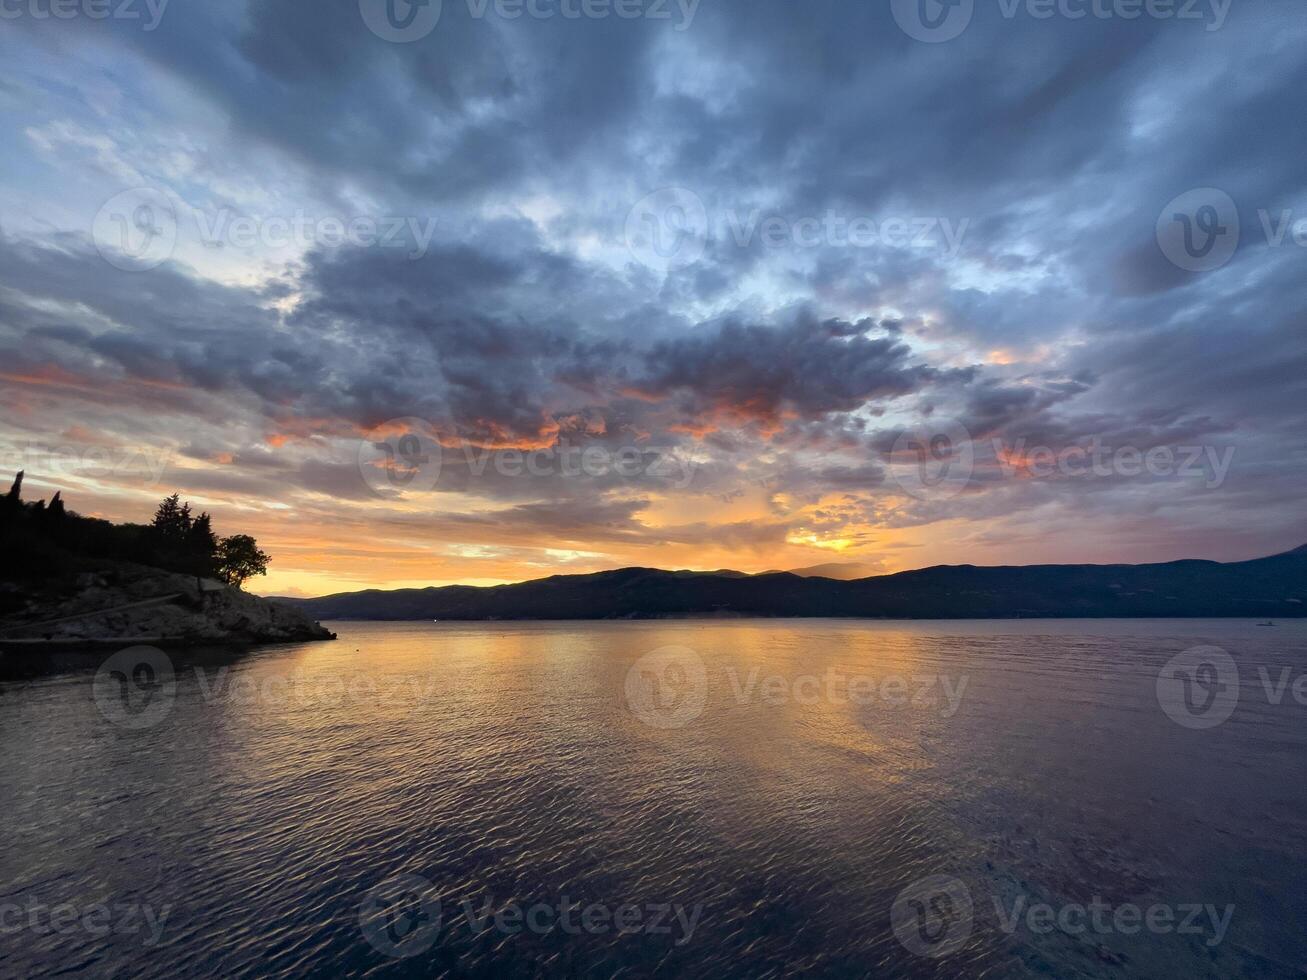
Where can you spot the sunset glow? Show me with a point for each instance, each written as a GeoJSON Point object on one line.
{"type": "Point", "coordinates": [604, 383]}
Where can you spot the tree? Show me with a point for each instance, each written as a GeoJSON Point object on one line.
{"type": "Point", "coordinates": [201, 546]}
{"type": "Point", "coordinates": [172, 521]}
{"type": "Point", "coordinates": [239, 558]}
{"type": "Point", "coordinates": [12, 503]}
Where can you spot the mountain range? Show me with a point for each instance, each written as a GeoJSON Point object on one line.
{"type": "Point", "coordinates": [1265, 588]}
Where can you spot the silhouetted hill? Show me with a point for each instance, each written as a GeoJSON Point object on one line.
{"type": "Point", "coordinates": [1274, 587]}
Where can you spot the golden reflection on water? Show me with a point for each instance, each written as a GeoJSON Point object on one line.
{"type": "Point", "coordinates": [502, 760]}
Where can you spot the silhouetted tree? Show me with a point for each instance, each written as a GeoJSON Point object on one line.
{"type": "Point", "coordinates": [172, 521]}
{"type": "Point", "coordinates": [239, 558]}
{"type": "Point", "coordinates": [202, 546]}
{"type": "Point", "coordinates": [44, 539]}
{"type": "Point", "coordinates": [57, 511]}
{"type": "Point", "coordinates": [12, 502]}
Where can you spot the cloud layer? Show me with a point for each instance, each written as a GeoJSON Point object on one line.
{"type": "Point", "coordinates": [751, 285]}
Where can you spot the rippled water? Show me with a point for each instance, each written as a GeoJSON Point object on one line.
{"type": "Point", "coordinates": [757, 798]}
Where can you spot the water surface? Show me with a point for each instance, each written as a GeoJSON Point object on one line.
{"type": "Point", "coordinates": [779, 785]}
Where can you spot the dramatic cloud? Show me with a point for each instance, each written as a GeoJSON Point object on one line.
{"type": "Point", "coordinates": [723, 284]}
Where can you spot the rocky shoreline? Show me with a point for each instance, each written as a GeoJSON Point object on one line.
{"type": "Point", "coordinates": [125, 604]}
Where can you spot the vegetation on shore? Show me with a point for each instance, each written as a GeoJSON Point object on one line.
{"type": "Point", "coordinates": [44, 540]}
{"type": "Point", "coordinates": [73, 582]}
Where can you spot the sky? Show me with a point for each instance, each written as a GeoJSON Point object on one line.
{"type": "Point", "coordinates": [479, 291]}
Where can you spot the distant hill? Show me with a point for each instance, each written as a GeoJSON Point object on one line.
{"type": "Point", "coordinates": [844, 570]}
{"type": "Point", "coordinates": [1267, 588]}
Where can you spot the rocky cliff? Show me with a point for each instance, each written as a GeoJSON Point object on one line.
{"type": "Point", "coordinates": [125, 603]}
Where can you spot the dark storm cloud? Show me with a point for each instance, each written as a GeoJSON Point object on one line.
{"type": "Point", "coordinates": [310, 79]}
{"type": "Point", "coordinates": [374, 340]}
{"type": "Point", "coordinates": [809, 367]}
{"type": "Point", "coordinates": [1059, 141]}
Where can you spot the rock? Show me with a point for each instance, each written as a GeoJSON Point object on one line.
{"type": "Point", "coordinates": [145, 602]}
